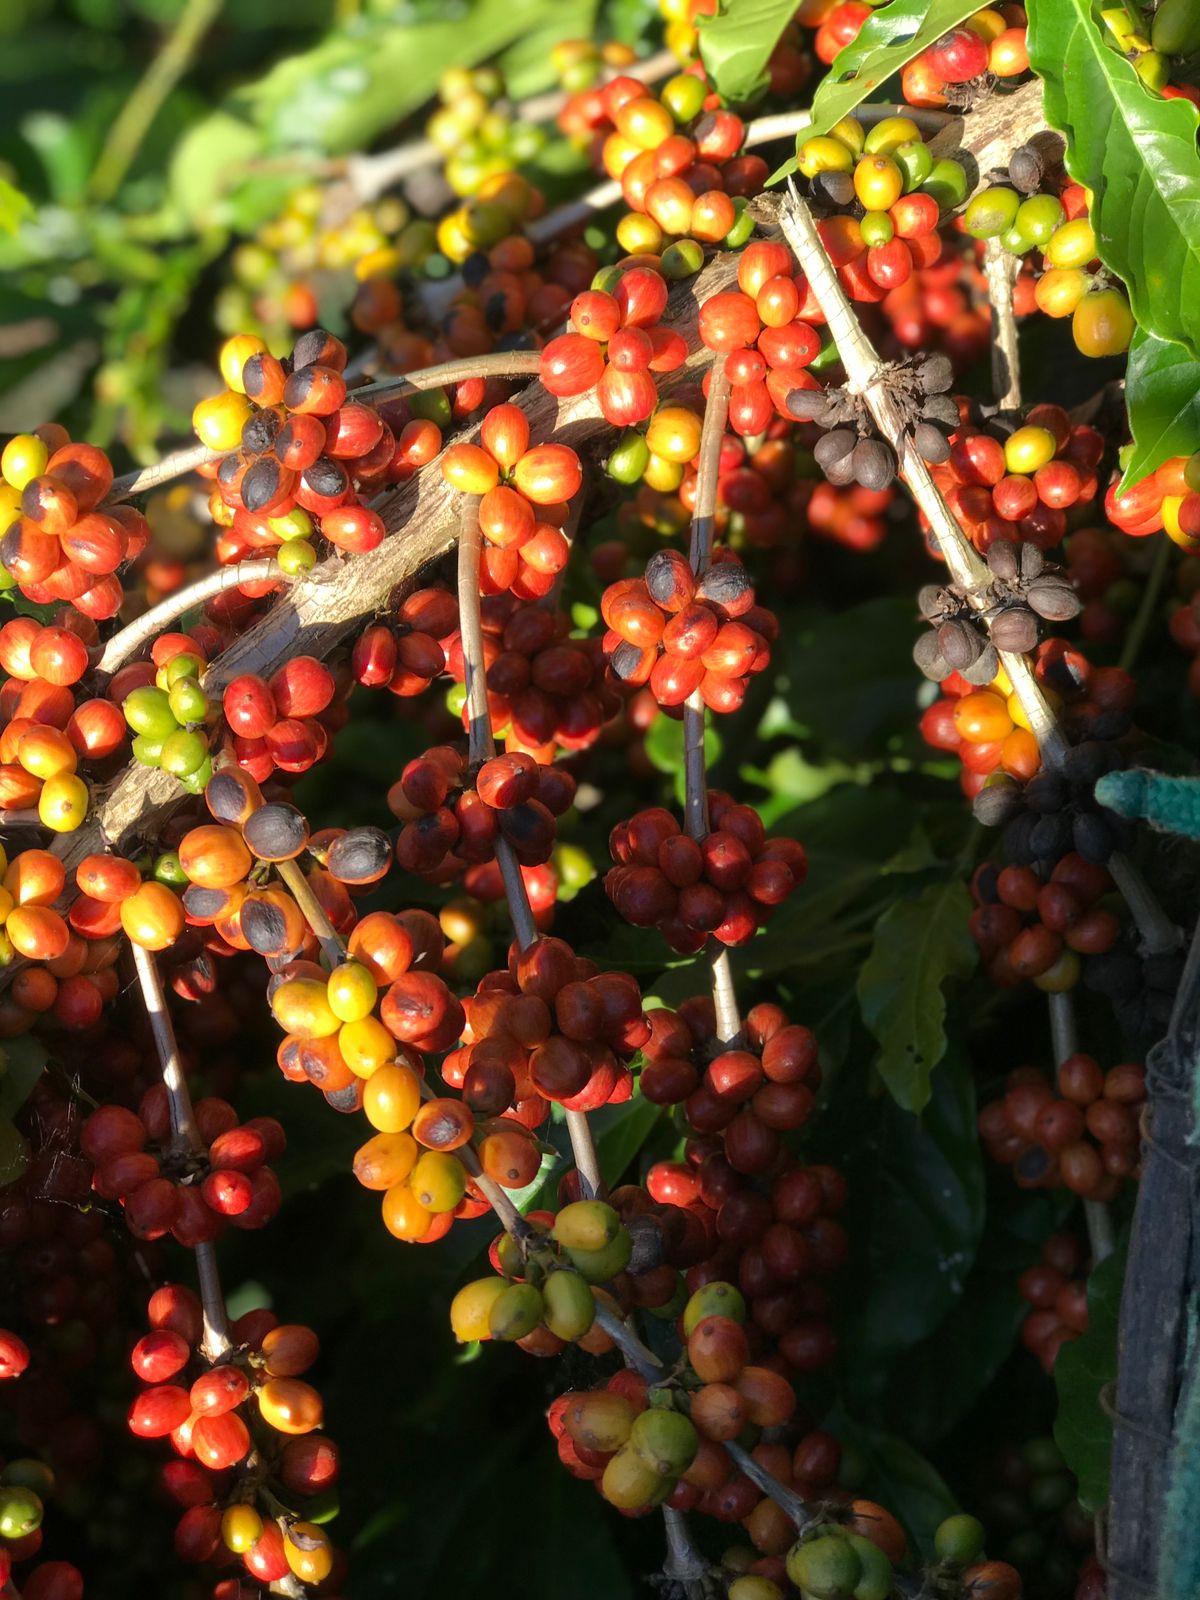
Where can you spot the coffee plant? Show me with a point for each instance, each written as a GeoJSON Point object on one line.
{"type": "Point", "coordinates": [613, 591]}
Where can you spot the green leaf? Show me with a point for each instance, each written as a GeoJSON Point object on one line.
{"type": "Point", "coordinates": [14, 1152]}
{"type": "Point", "coordinates": [15, 207]}
{"type": "Point", "coordinates": [1085, 1366]}
{"type": "Point", "coordinates": [924, 1193]}
{"type": "Point", "coordinates": [887, 41]}
{"type": "Point", "coordinates": [1137, 153]}
{"type": "Point", "coordinates": [900, 1478]}
{"type": "Point", "coordinates": [208, 162]}
{"type": "Point", "coordinates": [1162, 392]}
{"type": "Point", "coordinates": [341, 94]}
{"type": "Point", "coordinates": [22, 1062]}
{"type": "Point", "coordinates": [919, 943]}
{"type": "Point", "coordinates": [736, 45]}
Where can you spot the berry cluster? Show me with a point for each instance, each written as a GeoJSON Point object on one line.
{"type": "Point", "coordinates": [60, 543]}
{"type": "Point", "coordinates": [676, 156]}
{"type": "Point", "coordinates": [282, 724]}
{"type": "Point", "coordinates": [550, 1029]}
{"type": "Point", "coordinates": [1055, 1288]}
{"type": "Point", "coordinates": [1036, 923]}
{"type": "Point", "coordinates": [298, 454]}
{"type": "Point", "coordinates": [851, 451]}
{"type": "Point", "coordinates": [252, 1399]}
{"type": "Point", "coordinates": [682, 635]}
{"type": "Point", "coordinates": [989, 45]}
{"type": "Point", "coordinates": [616, 346]}
{"type": "Point", "coordinates": [724, 885]}
{"type": "Point", "coordinates": [452, 818]}
{"type": "Point", "coordinates": [1014, 479]}
{"type": "Point", "coordinates": [516, 482]}
{"type": "Point", "coordinates": [1024, 218]}
{"type": "Point", "coordinates": [407, 655]}
{"type": "Point", "coordinates": [1084, 1137]}
{"type": "Point", "coordinates": [545, 688]}
{"type": "Point", "coordinates": [165, 1188]}
{"type": "Point", "coordinates": [1167, 499]}
{"type": "Point", "coordinates": [892, 193]}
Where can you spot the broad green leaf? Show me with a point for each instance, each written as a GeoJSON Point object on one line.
{"type": "Point", "coordinates": [344, 92]}
{"type": "Point", "coordinates": [736, 45]}
{"type": "Point", "coordinates": [1162, 392]}
{"type": "Point", "coordinates": [209, 162]}
{"type": "Point", "coordinates": [919, 944]}
{"type": "Point", "coordinates": [15, 206]}
{"type": "Point", "coordinates": [922, 1212]}
{"type": "Point", "coordinates": [900, 1478]}
{"type": "Point", "coordinates": [887, 41]}
{"type": "Point", "coordinates": [1085, 1366]}
{"type": "Point", "coordinates": [22, 1062]}
{"type": "Point", "coordinates": [1137, 153]}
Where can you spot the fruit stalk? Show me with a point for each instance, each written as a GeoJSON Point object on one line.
{"type": "Point", "coordinates": [185, 1137]}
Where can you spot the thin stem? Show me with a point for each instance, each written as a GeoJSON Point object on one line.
{"type": "Point", "coordinates": [150, 624]}
{"type": "Point", "coordinates": [332, 946]}
{"type": "Point", "coordinates": [137, 114]}
{"type": "Point", "coordinates": [866, 375]}
{"type": "Point", "coordinates": [1000, 271]}
{"type": "Point", "coordinates": [1065, 1038]}
{"type": "Point", "coordinates": [176, 465]}
{"type": "Point", "coordinates": [185, 1139]}
{"type": "Point", "coordinates": [684, 1564]}
{"type": "Point", "coordinates": [635, 1353]}
{"type": "Point", "coordinates": [1146, 606]}
{"type": "Point", "coordinates": [787, 1501]}
{"type": "Point", "coordinates": [499, 364]}
{"type": "Point", "coordinates": [481, 745]}
{"type": "Point", "coordinates": [695, 771]}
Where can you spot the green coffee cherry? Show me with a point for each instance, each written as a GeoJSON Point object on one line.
{"type": "Point", "coordinates": [713, 1300]}
{"type": "Point", "coordinates": [20, 1512]}
{"type": "Point", "coordinates": [915, 160]}
{"type": "Point", "coordinates": [947, 183]}
{"type": "Point", "coordinates": [959, 1540]}
{"type": "Point", "coordinates": [740, 233]}
{"type": "Point", "coordinates": [826, 1568]}
{"type": "Point", "coordinates": [991, 212]}
{"type": "Point", "coordinates": [877, 228]}
{"type": "Point", "coordinates": [148, 711]}
{"type": "Point", "coordinates": [1038, 217]}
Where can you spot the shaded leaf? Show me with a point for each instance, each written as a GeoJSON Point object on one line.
{"type": "Point", "coordinates": [1085, 1366]}
{"type": "Point", "coordinates": [926, 1218]}
{"type": "Point", "coordinates": [1137, 153]}
{"type": "Point", "coordinates": [900, 1478]}
{"type": "Point", "coordinates": [22, 1062]}
{"type": "Point", "coordinates": [919, 944]}
{"type": "Point", "coordinates": [736, 45]}
{"type": "Point", "coordinates": [1162, 393]}
{"type": "Point", "coordinates": [887, 41]}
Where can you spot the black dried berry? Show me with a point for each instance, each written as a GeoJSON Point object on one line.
{"type": "Point", "coordinates": [959, 644]}
{"type": "Point", "coordinates": [807, 404]}
{"type": "Point", "coordinates": [360, 855]}
{"type": "Point", "coordinates": [1093, 837]}
{"type": "Point", "coordinates": [932, 444]}
{"type": "Point", "coordinates": [935, 374]}
{"type": "Point", "coordinates": [929, 658]}
{"type": "Point", "coordinates": [834, 447]}
{"type": "Point", "coordinates": [984, 668]}
{"type": "Point", "coordinates": [874, 463]}
{"type": "Point", "coordinates": [276, 832]}
{"type": "Point", "coordinates": [1054, 599]}
{"type": "Point", "coordinates": [940, 408]}
{"type": "Point", "coordinates": [1025, 169]}
{"type": "Point", "coordinates": [1015, 629]}
{"type": "Point", "coordinates": [997, 802]}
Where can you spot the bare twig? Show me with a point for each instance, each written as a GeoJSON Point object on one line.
{"type": "Point", "coordinates": [313, 912]}
{"type": "Point", "coordinates": [185, 1140]}
{"type": "Point", "coordinates": [695, 773]}
{"type": "Point", "coordinates": [1000, 271]}
{"type": "Point", "coordinates": [142, 630]}
{"type": "Point", "coordinates": [1065, 1039]}
{"type": "Point", "coordinates": [866, 375]}
{"type": "Point", "coordinates": [177, 465]}
{"type": "Point", "coordinates": [784, 1498]}
{"type": "Point", "coordinates": [636, 1355]}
